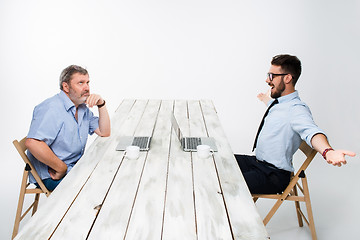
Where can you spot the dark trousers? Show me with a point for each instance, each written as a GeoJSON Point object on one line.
{"type": "Point", "coordinates": [49, 183]}
{"type": "Point", "coordinates": [262, 177]}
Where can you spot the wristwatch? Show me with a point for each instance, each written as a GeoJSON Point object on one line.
{"type": "Point", "coordinates": [101, 105]}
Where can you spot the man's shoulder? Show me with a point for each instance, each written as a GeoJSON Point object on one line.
{"type": "Point", "coordinates": [298, 102]}
{"type": "Point", "coordinates": [52, 104]}
{"type": "Point", "coordinates": [48, 100]}
{"type": "Point", "coordinates": [293, 100]}
{"type": "Point", "coordinates": [294, 106]}
{"type": "Point", "coordinates": [299, 108]}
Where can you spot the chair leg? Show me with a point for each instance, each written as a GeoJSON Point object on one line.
{"type": "Point", "coordinates": [272, 211]}
{"type": "Point", "coordinates": [308, 208]}
{"type": "Point", "coordinates": [297, 208]}
{"type": "Point", "coordinates": [20, 204]}
{"type": "Point", "coordinates": [36, 203]}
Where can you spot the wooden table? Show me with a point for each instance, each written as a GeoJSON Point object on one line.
{"type": "Point", "coordinates": [165, 194]}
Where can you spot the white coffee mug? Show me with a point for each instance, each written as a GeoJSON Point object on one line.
{"type": "Point", "coordinates": [132, 152]}
{"type": "Point", "coordinates": [204, 151]}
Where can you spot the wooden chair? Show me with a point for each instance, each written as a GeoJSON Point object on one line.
{"type": "Point", "coordinates": [26, 186]}
{"type": "Point", "coordinates": [291, 193]}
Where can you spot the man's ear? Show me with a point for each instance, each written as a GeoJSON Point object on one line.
{"type": "Point", "coordinates": [66, 87]}
{"type": "Point", "coordinates": [288, 79]}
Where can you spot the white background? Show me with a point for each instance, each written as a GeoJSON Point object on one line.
{"type": "Point", "coordinates": [192, 49]}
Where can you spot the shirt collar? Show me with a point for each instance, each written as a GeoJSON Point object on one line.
{"type": "Point", "coordinates": [66, 100]}
{"type": "Point", "coordinates": [288, 97]}
{"type": "Point", "coordinates": [68, 104]}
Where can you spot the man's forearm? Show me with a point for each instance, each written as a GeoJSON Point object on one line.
{"type": "Point", "coordinates": [320, 143]}
{"type": "Point", "coordinates": [104, 122]}
{"type": "Point", "coordinates": [41, 151]}
{"type": "Point", "coordinates": [334, 157]}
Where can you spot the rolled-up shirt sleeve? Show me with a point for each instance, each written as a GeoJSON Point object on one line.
{"type": "Point", "coordinates": [93, 122]}
{"type": "Point", "coordinates": [302, 122]}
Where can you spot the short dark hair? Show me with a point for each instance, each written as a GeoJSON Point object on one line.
{"type": "Point", "coordinates": [290, 64]}
{"type": "Point", "coordinates": [67, 73]}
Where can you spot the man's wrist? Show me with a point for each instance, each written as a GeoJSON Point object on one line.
{"type": "Point", "coordinates": [326, 151]}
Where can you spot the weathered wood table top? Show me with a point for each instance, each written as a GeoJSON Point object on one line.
{"type": "Point", "coordinates": [165, 194]}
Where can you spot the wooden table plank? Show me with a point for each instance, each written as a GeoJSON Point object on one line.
{"type": "Point", "coordinates": [147, 215]}
{"type": "Point", "coordinates": [47, 218]}
{"type": "Point", "coordinates": [211, 216]}
{"type": "Point", "coordinates": [179, 214]}
{"type": "Point", "coordinates": [115, 212]}
{"type": "Point", "coordinates": [245, 222]}
{"type": "Point", "coordinates": [81, 215]}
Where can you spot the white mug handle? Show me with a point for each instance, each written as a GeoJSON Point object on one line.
{"type": "Point", "coordinates": [211, 152]}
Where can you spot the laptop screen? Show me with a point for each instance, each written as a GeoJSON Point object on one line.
{"type": "Point", "coordinates": [176, 127]}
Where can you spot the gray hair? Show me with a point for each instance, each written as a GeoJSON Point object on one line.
{"type": "Point", "coordinates": [67, 73]}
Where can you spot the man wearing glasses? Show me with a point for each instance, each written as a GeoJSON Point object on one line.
{"type": "Point", "coordinates": [286, 123]}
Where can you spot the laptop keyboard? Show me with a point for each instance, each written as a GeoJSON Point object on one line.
{"type": "Point", "coordinates": [141, 142]}
{"type": "Point", "coordinates": [192, 142]}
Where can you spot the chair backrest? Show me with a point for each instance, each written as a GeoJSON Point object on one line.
{"type": "Point", "coordinates": [306, 149]}
{"type": "Point", "coordinates": [309, 153]}
{"type": "Point", "coordinates": [21, 148]}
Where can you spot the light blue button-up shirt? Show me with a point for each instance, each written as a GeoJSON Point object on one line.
{"type": "Point", "coordinates": [287, 123]}
{"type": "Point", "coordinates": [54, 123]}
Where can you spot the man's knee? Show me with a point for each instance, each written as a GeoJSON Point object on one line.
{"type": "Point", "coordinates": [51, 184]}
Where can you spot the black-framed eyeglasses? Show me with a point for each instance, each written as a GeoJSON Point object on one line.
{"type": "Point", "coordinates": [272, 75]}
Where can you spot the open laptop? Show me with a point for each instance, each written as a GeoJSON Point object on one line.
{"type": "Point", "coordinates": [189, 144]}
{"type": "Point", "coordinates": [142, 142]}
